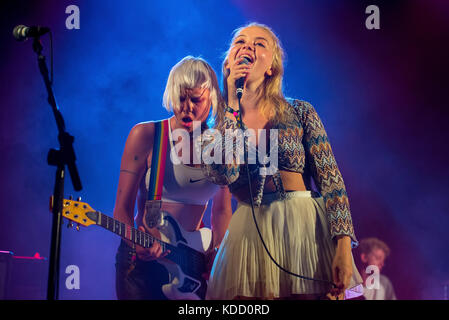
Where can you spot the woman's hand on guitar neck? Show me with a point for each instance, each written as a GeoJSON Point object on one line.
{"type": "Point", "coordinates": [152, 253]}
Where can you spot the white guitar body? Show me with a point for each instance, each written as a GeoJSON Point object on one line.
{"type": "Point", "coordinates": [184, 284]}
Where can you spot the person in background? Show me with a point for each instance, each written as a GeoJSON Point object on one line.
{"type": "Point", "coordinates": [373, 252]}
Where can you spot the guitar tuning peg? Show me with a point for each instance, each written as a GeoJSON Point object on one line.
{"type": "Point", "coordinates": [78, 227]}
{"type": "Point", "coordinates": [78, 199]}
{"type": "Point", "coordinates": [70, 224]}
{"type": "Point", "coordinates": [70, 197]}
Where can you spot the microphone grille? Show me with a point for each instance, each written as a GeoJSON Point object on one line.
{"type": "Point", "coordinates": [19, 32]}
{"type": "Point", "coordinates": [245, 61]}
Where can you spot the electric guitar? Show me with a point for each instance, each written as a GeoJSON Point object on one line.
{"type": "Point", "coordinates": [186, 261]}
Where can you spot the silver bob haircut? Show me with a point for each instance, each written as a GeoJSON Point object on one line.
{"type": "Point", "coordinates": [189, 73]}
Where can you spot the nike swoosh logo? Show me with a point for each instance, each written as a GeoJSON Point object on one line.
{"type": "Point", "coordinates": [193, 181]}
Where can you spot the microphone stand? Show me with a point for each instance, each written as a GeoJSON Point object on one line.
{"type": "Point", "coordinates": [59, 158]}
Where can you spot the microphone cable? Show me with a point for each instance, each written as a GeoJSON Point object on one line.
{"type": "Point", "coordinates": [245, 151]}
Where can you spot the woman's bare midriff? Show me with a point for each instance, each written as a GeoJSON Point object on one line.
{"type": "Point", "coordinates": [189, 216]}
{"type": "Point", "coordinates": [292, 181]}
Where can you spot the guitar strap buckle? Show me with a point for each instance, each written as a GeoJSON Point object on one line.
{"type": "Point", "coordinates": [152, 216]}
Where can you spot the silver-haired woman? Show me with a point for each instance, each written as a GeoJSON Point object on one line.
{"type": "Point", "coordinates": [191, 92]}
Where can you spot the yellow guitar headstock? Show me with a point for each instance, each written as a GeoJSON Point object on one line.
{"type": "Point", "coordinates": [79, 212]}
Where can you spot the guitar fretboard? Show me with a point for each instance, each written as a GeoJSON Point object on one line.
{"type": "Point", "coordinates": [141, 238]}
{"type": "Point", "coordinates": [138, 237]}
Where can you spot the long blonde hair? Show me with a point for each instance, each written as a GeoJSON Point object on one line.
{"type": "Point", "coordinates": [273, 104]}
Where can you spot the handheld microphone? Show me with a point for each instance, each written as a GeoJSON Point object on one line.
{"type": "Point", "coordinates": [239, 83]}
{"type": "Point", "coordinates": [22, 33]}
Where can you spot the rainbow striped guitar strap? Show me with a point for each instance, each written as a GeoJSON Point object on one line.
{"type": "Point", "coordinates": [153, 203]}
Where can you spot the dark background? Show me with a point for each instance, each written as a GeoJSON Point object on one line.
{"type": "Point", "coordinates": [380, 93]}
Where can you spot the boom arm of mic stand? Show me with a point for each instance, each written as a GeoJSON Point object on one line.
{"type": "Point", "coordinates": [59, 158]}
{"type": "Point", "coordinates": [65, 139]}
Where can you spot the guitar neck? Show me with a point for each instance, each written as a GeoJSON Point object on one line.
{"type": "Point", "coordinates": [134, 235]}
{"type": "Point", "coordinates": [180, 253]}
{"type": "Point", "coordinates": [189, 260]}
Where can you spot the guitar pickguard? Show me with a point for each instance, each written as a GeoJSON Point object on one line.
{"type": "Point", "coordinates": [176, 229]}
{"type": "Point", "coordinates": [186, 280]}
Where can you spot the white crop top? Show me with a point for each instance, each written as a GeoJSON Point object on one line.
{"type": "Point", "coordinates": [183, 183]}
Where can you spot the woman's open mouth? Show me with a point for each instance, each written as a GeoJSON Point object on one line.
{"type": "Point", "coordinates": [249, 59]}
{"type": "Point", "coordinates": [187, 121]}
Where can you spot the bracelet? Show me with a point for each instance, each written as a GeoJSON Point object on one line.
{"type": "Point", "coordinates": [235, 113]}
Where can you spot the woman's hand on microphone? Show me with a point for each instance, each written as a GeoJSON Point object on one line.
{"type": "Point", "coordinates": [237, 70]}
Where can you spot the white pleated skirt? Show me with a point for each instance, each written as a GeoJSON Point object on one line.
{"type": "Point", "coordinates": [296, 233]}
